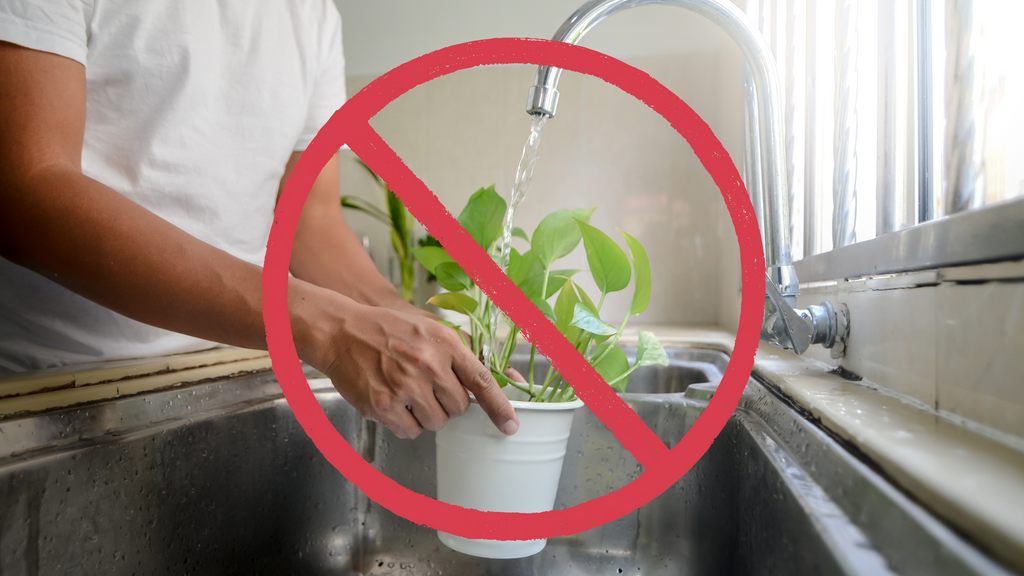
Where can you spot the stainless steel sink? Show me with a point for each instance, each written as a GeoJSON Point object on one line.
{"type": "Point", "coordinates": [687, 366]}
{"type": "Point", "coordinates": [220, 479]}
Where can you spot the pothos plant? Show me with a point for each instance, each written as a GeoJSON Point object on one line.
{"type": "Point", "coordinates": [574, 312]}
{"type": "Point", "coordinates": [396, 217]}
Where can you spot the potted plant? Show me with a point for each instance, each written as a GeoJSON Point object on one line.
{"type": "Point", "coordinates": [477, 466]}
{"type": "Point", "coordinates": [396, 217]}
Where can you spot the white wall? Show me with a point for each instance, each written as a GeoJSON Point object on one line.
{"type": "Point", "coordinates": [951, 341]}
{"type": "Point", "coordinates": [467, 130]}
{"type": "Point", "coordinates": [381, 34]}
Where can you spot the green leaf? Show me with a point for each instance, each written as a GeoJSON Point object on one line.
{"type": "Point", "coordinates": [556, 279]}
{"type": "Point", "coordinates": [363, 205]}
{"type": "Point", "coordinates": [500, 378]}
{"type": "Point", "coordinates": [518, 232]}
{"type": "Point", "coordinates": [526, 273]}
{"type": "Point", "coordinates": [586, 301]}
{"type": "Point", "coordinates": [457, 328]}
{"type": "Point", "coordinates": [544, 307]}
{"type": "Point", "coordinates": [584, 297]}
{"type": "Point", "coordinates": [557, 234]}
{"type": "Point", "coordinates": [531, 286]}
{"type": "Point", "coordinates": [455, 302]}
{"type": "Point", "coordinates": [521, 266]}
{"type": "Point", "coordinates": [398, 244]}
{"type": "Point", "coordinates": [613, 364]}
{"type": "Point", "coordinates": [397, 216]}
{"type": "Point", "coordinates": [649, 351]}
{"type": "Point", "coordinates": [608, 263]}
{"type": "Point", "coordinates": [483, 216]}
{"type": "Point", "coordinates": [429, 240]}
{"type": "Point", "coordinates": [401, 228]}
{"type": "Point", "coordinates": [431, 256]}
{"type": "Point", "coordinates": [371, 173]}
{"type": "Point", "coordinates": [452, 277]}
{"type": "Point", "coordinates": [585, 319]}
{"type": "Point", "coordinates": [515, 259]}
{"type": "Point", "coordinates": [565, 307]}
{"type": "Point", "coordinates": [642, 285]}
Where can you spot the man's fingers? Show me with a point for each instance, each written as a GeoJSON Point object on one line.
{"type": "Point", "coordinates": [514, 375]}
{"type": "Point", "coordinates": [478, 380]}
{"type": "Point", "coordinates": [400, 421]}
{"type": "Point", "coordinates": [453, 397]}
{"type": "Point", "coordinates": [429, 413]}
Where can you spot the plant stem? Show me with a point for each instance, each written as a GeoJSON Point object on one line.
{"type": "Point", "coordinates": [476, 332]}
{"type": "Point", "coordinates": [408, 277]}
{"type": "Point", "coordinates": [518, 387]}
{"type": "Point", "coordinates": [544, 286]}
{"type": "Point", "coordinates": [512, 348]}
{"type": "Point", "coordinates": [566, 395]}
{"type": "Point", "coordinates": [508, 348]}
{"type": "Point", "coordinates": [624, 374]}
{"type": "Point", "coordinates": [551, 367]}
{"type": "Point", "coordinates": [554, 377]}
{"type": "Point", "coordinates": [529, 378]}
{"type": "Point", "coordinates": [556, 390]}
{"type": "Point", "coordinates": [475, 322]}
{"type": "Point", "coordinates": [614, 339]}
{"type": "Point", "coordinates": [547, 381]}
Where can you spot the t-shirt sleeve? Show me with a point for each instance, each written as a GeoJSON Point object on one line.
{"type": "Point", "coordinates": [57, 26]}
{"type": "Point", "coordinates": [329, 89]}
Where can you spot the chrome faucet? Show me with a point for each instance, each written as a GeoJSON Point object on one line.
{"type": "Point", "coordinates": [783, 324]}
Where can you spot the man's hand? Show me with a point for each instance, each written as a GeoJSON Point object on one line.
{"type": "Point", "coordinates": [404, 371]}
{"type": "Point", "coordinates": [84, 235]}
{"type": "Point", "coordinates": [393, 361]}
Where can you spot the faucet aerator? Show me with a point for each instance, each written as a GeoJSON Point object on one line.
{"type": "Point", "coordinates": [542, 101]}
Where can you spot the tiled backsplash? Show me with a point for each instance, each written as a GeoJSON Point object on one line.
{"type": "Point", "coordinates": [951, 338]}
{"type": "Point", "coordinates": [604, 148]}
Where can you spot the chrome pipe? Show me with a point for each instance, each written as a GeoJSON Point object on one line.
{"type": "Point", "coordinates": [752, 152]}
{"type": "Point", "coordinates": [787, 30]}
{"type": "Point", "coordinates": [844, 182]}
{"type": "Point", "coordinates": [927, 196]}
{"type": "Point", "coordinates": [965, 131]}
{"type": "Point", "coordinates": [752, 149]}
{"type": "Point", "coordinates": [811, 244]}
{"type": "Point", "coordinates": [887, 216]}
{"type": "Point", "coordinates": [759, 59]}
{"type": "Point", "coordinates": [910, 207]}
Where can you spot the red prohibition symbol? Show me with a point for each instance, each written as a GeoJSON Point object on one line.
{"type": "Point", "coordinates": [662, 467]}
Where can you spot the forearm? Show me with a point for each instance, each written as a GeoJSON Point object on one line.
{"type": "Point", "coordinates": [327, 253]}
{"type": "Point", "coordinates": [97, 243]}
{"type": "Point", "coordinates": [402, 370]}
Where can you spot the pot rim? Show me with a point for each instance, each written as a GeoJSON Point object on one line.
{"type": "Point", "coordinates": [539, 406]}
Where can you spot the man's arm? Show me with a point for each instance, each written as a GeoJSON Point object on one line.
{"type": "Point", "coordinates": [404, 371]}
{"type": "Point", "coordinates": [327, 253]}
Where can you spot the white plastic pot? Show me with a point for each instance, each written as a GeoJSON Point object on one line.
{"type": "Point", "coordinates": [479, 467]}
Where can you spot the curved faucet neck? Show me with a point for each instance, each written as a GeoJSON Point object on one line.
{"type": "Point", "coordinates": [761, 64]}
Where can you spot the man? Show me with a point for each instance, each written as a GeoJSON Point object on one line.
{"type": "Point", "coordinates": [142, 149]}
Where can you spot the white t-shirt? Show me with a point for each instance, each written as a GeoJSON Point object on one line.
{"type": "Point", "coordinates": [193, 109]}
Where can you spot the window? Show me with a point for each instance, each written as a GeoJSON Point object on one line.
{"type": "Point", "coordinates": [897, 112]}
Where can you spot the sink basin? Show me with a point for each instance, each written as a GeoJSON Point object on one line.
{"type": "Point", "coordinates": [219, 478]}
{"type": "Point", "coordinates": [687, 366]}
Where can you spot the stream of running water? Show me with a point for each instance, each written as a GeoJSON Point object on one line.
{"type": "Point", "coordinates": [524, 175]}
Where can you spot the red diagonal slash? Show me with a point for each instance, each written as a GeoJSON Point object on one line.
{"type": "Point", "coordinates": [602, 400]}
{"type": "Point", "coordinates": [662, 467]}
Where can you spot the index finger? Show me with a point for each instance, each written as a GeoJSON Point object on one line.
{"type": "Point", "coordinates": [478, 380]}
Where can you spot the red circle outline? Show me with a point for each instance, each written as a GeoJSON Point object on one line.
{"type": "Point", "coordinates": [662, 467]}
